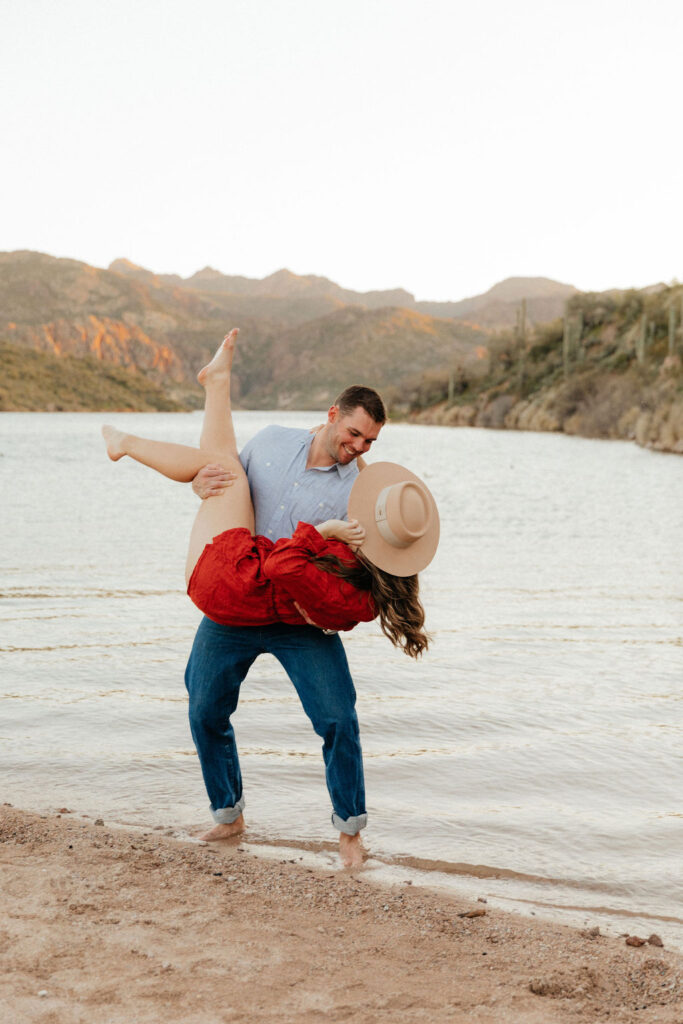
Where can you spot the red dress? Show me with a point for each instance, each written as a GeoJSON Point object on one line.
{"type": "Point", "coordinates": [241, 580]}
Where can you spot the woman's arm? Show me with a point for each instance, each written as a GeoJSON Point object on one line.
{"type": "Point", "coordinates": [351, 532]}
{"type": "Point", "coordinates": [331, 602]}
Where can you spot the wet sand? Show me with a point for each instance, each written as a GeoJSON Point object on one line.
{"type": "Point", "coordinates": [104, 924]}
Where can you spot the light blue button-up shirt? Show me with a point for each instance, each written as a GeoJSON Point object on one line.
{"type": "Point", "coordinates": [284, 491]}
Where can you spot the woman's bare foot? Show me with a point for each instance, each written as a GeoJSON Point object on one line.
{"type": "Point", "coordinates": [224, 831]}
{"type": "Point", "coordinates": [351, 850]}
{"type": "Point", "coordinates": [114, 440]}
{"type": "Point", "coordinates": [221, 364]}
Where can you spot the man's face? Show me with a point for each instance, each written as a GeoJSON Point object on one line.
{"type": "Point", "coordinates": [351, 435]}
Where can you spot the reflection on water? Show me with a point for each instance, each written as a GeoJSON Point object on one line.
{"type": "Point", "coordinates": [541, 735]}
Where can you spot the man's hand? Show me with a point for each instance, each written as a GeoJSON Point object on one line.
{"type": "Point", "coordinates": [212, 480]}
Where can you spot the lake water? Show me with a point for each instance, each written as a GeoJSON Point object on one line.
{"type": "Point", "coordinates": [532, 757]}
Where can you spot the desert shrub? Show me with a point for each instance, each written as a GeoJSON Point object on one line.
{"type": "Point", "coordinates": [547, 338]}
{"type": "Point", "coordinates": [596, 308]}
{"type": "Point", "coordinates": [629, 307]}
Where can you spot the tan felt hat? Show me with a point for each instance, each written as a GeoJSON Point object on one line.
{"type": "Point", "coordinates": [399, 515]}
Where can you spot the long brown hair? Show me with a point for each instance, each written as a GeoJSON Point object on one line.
{"type": "Point", "coordinates": [401, 614]}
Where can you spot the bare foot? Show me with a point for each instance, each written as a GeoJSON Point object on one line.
{"type": "Point", "coordinates": [220, 365]}
{"type": "Point", "coordinates": [351, 850]}
{"type": "Point", "coordinates": [223, 831]}
{"type": "Point", "coordinates": [114, 440]}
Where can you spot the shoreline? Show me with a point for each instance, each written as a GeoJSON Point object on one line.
{"type": "Point", "coordinates": [122, 924]}
{"type": "Point", "coordinates": [443, 415]}
{"type": "Point", "coordinates": [555, 900]}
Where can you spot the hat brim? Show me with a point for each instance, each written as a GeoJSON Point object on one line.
{"type": "Point", "coordinates": [369, 484]}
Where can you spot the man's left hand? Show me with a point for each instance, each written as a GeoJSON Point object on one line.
{"type": "Point", "coordinates": [212, 480]}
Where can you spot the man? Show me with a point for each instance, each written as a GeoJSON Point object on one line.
{"type": "Point", "coordinates": [293, 475]}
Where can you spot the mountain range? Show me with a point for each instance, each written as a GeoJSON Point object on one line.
{"type": "Point", "coordinates": [303, 337]}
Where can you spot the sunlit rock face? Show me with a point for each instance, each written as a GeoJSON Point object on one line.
{"type": "Point", "coordinates": [112, 341]}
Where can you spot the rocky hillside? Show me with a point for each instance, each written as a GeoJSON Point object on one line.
{"type": "Point", "coordinates": [612, 367]}
{"type": "Point", "coordinates": [33, 380]}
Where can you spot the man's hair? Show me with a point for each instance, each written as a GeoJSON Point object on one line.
{"type": "Point", "coordinates": [366, 398]}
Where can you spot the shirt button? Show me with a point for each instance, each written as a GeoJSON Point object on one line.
{"type": "Point", "coordinates": [282, 506]}
{"type": "Point", "coordinates": [267, 463]}
{"type": "Point", "coordinates": [270, 531]}
{"type": "Point", "coordinates": [296, 484]}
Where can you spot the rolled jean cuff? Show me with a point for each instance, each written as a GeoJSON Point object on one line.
{"type": "Point", "coordinates": [226, 815]}
{"type": "Point", "coordinates": [351, 825]}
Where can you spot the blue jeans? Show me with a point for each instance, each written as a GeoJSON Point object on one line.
{"type": "Point", "coordinates": [316, 663]}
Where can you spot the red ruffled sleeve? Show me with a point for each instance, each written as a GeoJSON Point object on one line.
{"type": "Point", "coordinates": [330, 601]}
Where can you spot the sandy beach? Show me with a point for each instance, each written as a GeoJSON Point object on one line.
{"type": "Point", "coordinates": [105, 924]}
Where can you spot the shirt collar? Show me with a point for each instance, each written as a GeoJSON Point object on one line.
{"type": "Point", "coordinates": [343, 471]}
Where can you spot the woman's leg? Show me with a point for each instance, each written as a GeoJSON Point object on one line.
{"type": "Point", "coordinates": [233, 508]}
{"type": "Point", "coordinates": [178, 462]}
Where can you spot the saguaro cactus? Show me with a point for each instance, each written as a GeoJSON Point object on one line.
{"type": "Point", "coordinates": [566, 341]}
{"type": "Point", "coordinates": [641, 340]}
{"type": "Point", "coordinates": [578, 335]}
{"type": "Point", "coordinates": [572, 349]}
{"type": "Point", "coordinates": [521, 343]}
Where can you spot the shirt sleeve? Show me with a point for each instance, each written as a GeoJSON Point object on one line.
{"type": "Point", "coordinates": [248, 449]}
{"type": "Point", "coordinates": [330, 601]}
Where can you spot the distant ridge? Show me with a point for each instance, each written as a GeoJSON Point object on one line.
{"type": "Point", "coordinates": [545, 300]}
{"type": "Point", "coordinates": [493, 309]}
{"type": "Point", "coordinates": [282, 284]}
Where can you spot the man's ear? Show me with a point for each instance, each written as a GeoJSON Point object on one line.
{"type": "Point", "coordinates": [333, 414]}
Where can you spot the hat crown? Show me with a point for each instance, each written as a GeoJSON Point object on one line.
{"type": "Point", "coordinates": [403, 513]}
{"type": "Point", "coordinates": [399, 515]}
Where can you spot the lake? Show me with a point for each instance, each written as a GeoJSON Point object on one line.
{"type": "Point", "coordinates": [533, 756]}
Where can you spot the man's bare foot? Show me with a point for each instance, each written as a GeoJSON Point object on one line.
{"type": "Point", "coordinates": [220, 365]}
{"type": "Point", "coordinates": [114, 440]}
{"type": "Point", "coordinates": [224, 831]}
{"type": "Point", "coordinates": [351, 850]}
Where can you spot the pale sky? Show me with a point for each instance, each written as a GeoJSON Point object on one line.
{"type": "Point", "coordinates": [433, 145]}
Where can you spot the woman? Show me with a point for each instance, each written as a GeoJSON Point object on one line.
{"type": "Point", "coordinates": [319, 575]}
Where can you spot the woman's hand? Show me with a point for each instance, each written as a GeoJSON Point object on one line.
{"type": "Point", "coordinates": [352, 533]}
{"type": "Point", "coordinates": [212, 480]}
{"type": "Point", "coordinates": [307, 618]}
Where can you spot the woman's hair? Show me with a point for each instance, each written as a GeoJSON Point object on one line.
{"type": "Point", "coordinates": [401, 614]}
